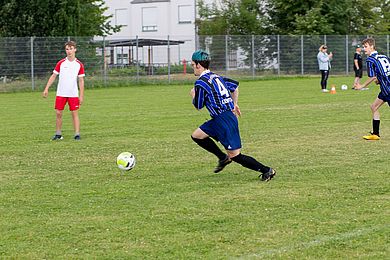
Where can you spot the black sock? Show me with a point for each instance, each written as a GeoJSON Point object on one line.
{"type": "Point", "coordinates": [250, 163]}
{"type": "Point", "coordinates": [375, 126]}
{"type": "Point", "coordinates": [210, 146]}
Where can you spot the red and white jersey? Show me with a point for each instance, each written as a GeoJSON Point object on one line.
{"type": "Point", "coordinates": [68, 72]}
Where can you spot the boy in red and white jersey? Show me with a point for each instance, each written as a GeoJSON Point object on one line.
{"type": "Point", "coordinates": [70, 70]}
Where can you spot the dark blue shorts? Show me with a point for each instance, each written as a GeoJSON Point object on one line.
{"type": "Point", "coordinates": [384, 98]}
{"type": "Point", "coordinates": [224, 128]}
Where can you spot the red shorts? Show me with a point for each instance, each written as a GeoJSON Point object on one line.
{"type": "Point", "coordinates": [73, 102]}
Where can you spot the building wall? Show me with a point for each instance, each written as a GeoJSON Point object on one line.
{"type": "Point", "coordinates": [155, 20]}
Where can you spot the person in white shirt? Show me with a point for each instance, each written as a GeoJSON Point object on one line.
{"type": "Point", "coordinates": [70, 70]}
{"type": "Point", "coordinates": [324, 65]}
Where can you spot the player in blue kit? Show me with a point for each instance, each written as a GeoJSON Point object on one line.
{"type": "Point", "coordinates": [220, 96]}
{"type": "Point", "coordinates": [378, 70]}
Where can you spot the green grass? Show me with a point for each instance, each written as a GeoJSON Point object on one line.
{"type": "Point", "coordinates": [67, 199]}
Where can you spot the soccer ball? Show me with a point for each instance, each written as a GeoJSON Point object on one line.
{"type": "Point", "coordinates": [125, 161]}
{"type": "Point", "coordinates": [344, 87]}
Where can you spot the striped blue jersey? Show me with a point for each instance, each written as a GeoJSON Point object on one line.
{"type": "Point", "coordinates": [213, 91]}
{"type": "Point", "coordinates": [379, 66]}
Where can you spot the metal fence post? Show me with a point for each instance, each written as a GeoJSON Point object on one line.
{"type": "Point", "coordinates": [195, 26]}
{"type": "Point", "coordinates": [136, 50]}
{"type": "Point", "coordinates": [226, 55]}
{"type": "Point", "coordinates": [169, 62]}
{"type": "Point", "coordinates": [302, 70]}
{"type": "Point", "coordinates": [32, 62]}
{"type": "Point", "coordinates": [253, 56]}
{"type": "Point", "coordinates": [178, 54]}
{"type": "Point", "coordinates": [104, 62]}
{"type": "Point", "coordinates": [278, 44]}
{"type": "Point", "coordinates": [346, 55]}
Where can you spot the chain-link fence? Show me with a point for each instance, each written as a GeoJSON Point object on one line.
{"type": "Point", "coordinates": [26, 63]}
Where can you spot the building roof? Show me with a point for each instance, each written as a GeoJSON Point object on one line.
{"type": "Point", "coordinates": [148, 1]}
{"type": "Point", "coordinates": [142, 42]}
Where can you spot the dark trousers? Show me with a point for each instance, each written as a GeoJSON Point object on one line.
{"type": "Point", "coordinates": [324, 78]}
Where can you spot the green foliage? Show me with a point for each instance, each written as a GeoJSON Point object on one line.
{"type": "Point", "coordinates": [68, 200]}
{"type": "Point", "coordinates": [54, 18]}
{"type": "Point", "coordinates": [312, 23]}
{"type": "Point", "coordinates": [244, 17]}
{"type": "Point", "coordinates": [211, 21]}
{"type": "Point", "coordinates": [286, 17]}
{"type": "Point", "coordinates": [142, 70]}
{"type": "Point", "coordinates": [330, 17]}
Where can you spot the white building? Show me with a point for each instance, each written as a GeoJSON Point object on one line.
{"type": "Point", "coordinates": [166, 20]}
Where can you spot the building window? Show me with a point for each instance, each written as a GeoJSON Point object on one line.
{"type": "Point", "coordinates": [121, 17]}
{"type": "Point", "coordinates": [149, 19]}
{"type": "Point", "coordinates": [122, 58]}
{"type": "Point", "coordinates": [185, 13]}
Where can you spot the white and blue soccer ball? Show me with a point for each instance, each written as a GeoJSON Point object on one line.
{"type": "Point", "coordinates": [344, 87]}
{"type": "Point", "coordinates": [125, 161]}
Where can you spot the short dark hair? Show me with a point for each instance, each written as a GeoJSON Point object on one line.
{"type": "Point", "coordinates": [204, 63]}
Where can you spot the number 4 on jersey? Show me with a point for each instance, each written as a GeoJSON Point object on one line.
{"type": "Point", "coordinates": [222, 89]}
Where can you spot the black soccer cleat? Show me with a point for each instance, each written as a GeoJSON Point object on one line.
{"type": "Point", "coordinates": [77, 137]}
{"type": "Point", "coordinates": [57, 137]}
{"type": "Point", "coordinates": [268, 175]}
{"type": "Point", "coordinates": [222, 164]}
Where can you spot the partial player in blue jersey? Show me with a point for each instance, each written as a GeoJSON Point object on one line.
{"type": "Point", "coordinates": [220, 96]}
{"type": "Point", "coordinates": [378, 70]}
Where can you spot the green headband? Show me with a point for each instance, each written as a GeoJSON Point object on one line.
{"type": "Point", "coordinates": [200, 55]}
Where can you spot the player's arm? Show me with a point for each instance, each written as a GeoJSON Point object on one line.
{"type": "Point", "coordinates": [323, 58]}
{"type": "Point", "coordinates": [192, 93]}
{"type": "Point", "coordinates": [232, 85]}
{"type": "Point", "coordinates": [236, 109]}
{"type": "Point", "coordinates": [365, 84]}
{"type": "Point", "coordinates": [356, 64]}
{"type": "Point", "coordinates": [49, 83]}
{"type": "Point", "coordinates": [81, 88]}
{"type": "Point", "coordinates": [197, 94]}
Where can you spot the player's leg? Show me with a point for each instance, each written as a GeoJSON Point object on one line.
{"type": "Point", "coordinates": [204, 141]}
{"type": "Point", "coordinates": [76, 123]}
{"type": "Point", "coordinates": [58, 121]}
{"type": "Point", "coordinates": [360, 75]}
{"type": "Point", "coordinates": [324, 78]}
{"type": "Point", "coordinates": [375, 115]}
{"type": "Point", "coordinates": [74, 104]}
{"type": "Point", "coordinates": [375, 120]}
{"type": "Point", "coordinates": [59, 107]}
{"type": "Point", "coordinates": [267, 173]}
{"type": "Point", "coordinates": [356, 81]}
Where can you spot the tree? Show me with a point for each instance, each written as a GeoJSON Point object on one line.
{"type": "Point", "coordinates": [54, 18]}
{"type": "Point", "coordinates": [45, 25]}
{"type": "Point", "coordinates": [329, 17]}
{"type": "Point", "coordinates": [244, 17]}
{"type": "Point", "coordinates": [292, 17]}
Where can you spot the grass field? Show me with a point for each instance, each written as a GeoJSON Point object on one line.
{"type": "Point", "coordinates": [67, 199]}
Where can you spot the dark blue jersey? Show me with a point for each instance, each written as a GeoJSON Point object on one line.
{"type": "Point", "coordinates": [213, 91]}
{"type": "Point", "coordinates": [379, 66]}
